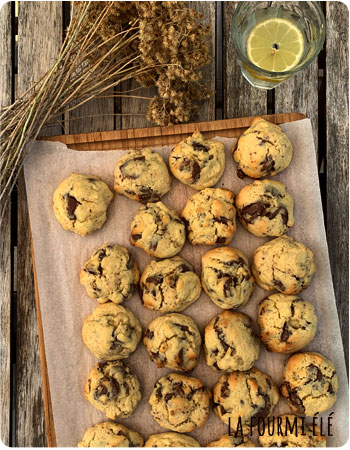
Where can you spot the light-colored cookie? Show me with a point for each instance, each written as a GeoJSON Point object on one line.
{"type": "Point", "coordinates": [171, 439]}
{"type": "Point", "coordinates": [210, 217]}
{"type": "Point", "coordinates": [80, 203]}
{"type": "Point", "coordinates": [197, 162]}
{"type": "Point", "coordinates": [169, 285]}
{"type": "Point", "coordinates": [244, 396]}
{"type": "Point", "coordinates": [283, 264]}
{"type": "Point", "coordinates": [158, 230]}
{"type": "Point", "coordinates": [265, 208]}
{"type": "Point", "coordinates": [173, 341]}
{"type": "Point", "coordinates": [226, 277]}
{"type": "Point", "coordinates": [262, 150]}
{"type": "Point", "coordinates": [310, 383]}
{"type": "Point", "coordinates": [111, 332]}
{"type": "Point", "coordinates": [295, 433]}
{"type": "Point", "coordinates": [142, 175]}
{"type": "Point", "coordinates": [231, 441]}
{"type": "Point", "coordinates": [230, 342]}
{"type": "Point", "coordinates": [287, 323]}
{"type": "Point", "coordinates": [111, 273]}
{"type": "Point", "coordinates": [110, 434]}
{"type": "Point", "coordinates": [179, 403]}
{"type": "Point", "coordinates": [113, 389]}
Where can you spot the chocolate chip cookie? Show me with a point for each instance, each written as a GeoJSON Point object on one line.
{"type": "Point", "coordinates": [210, 217]}
{"type": "Point", "coordinates": [180, 403]}
{"type": "Point", "coordinates": [265, 208]}
{"type": "Point", "coordinates": [142, 175]}
{"type": "Point", "coordinates": [262, 150]}
{"type": "Point", "coordinates": [80, 203]}
{"type": "Point", "coordinates": [283, 264]}
{"type": "Point", "coordinates": [111, 332]}
{"type": "Point", "coordinates": [310, 383]}
{"type": "Point", "coordinates": [231, 441]}
{"type": "Point", "coordinates": [173, 341]}
{"type": "Point", "coordinates": [113, 389]}
{"type": "Point", "coordinates": [158, 230]}
{"type": "Point", "coordinates": [226, 277]}
{"type": "Point", "coordinates": [197, 162]}
{"type": "Point", "coordinates": [230, 342]}
{"type": "Point", "coordinates": [169, 285]}
{"type": "Point", "coordinates": [287, 323]}
{"type": "Point", "coordinates": [171, 439]}
{"type": "Point", "coordinates": [294, 434]}
{"type": "Point", "coordinates": [111, 273]}
{"type": "Point", "coordinates": [246, 395]}
{"type": "Point", "coordinates": [110, 434]}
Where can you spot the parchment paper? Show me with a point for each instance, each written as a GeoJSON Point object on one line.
{"type": "Point", "coordinates": [60, 254]}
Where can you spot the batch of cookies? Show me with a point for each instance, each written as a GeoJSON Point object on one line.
{"type": "Point", "coordinates": [169, 284]}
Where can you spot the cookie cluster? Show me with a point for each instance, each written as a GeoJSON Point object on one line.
{"type": "Point", "coordinates": [169, 284]}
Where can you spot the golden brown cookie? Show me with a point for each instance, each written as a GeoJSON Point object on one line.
{"type": "Point", "coordinates": [231, 441]}
{"type": "Point", "coordinates": [110, 434]}
{"type": "Point", "coordinates": [171, 439]}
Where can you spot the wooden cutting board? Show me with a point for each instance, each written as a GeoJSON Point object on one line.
{"type": "Point", "coordinates": [128, 139]}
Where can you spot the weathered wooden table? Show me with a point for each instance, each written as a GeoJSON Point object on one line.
{"type": "Point", "coordinates": [30, 37]}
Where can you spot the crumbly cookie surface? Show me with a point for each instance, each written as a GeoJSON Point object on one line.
{"type": "Point", "coordinates": [197, 162]}
{"type": "Point", "coordinates": [287, 323]}
{"type": "Point", "coordinates": [210, 217]}
{"type": "Point", "coordinates": [169, 285]}
{"type": "Point", "coordinates": [111, 273]}
{"type": "Point", "coordinates": [158, 230]}
{"type": "Point", "coordinates": [230, 342]}
{"type": "Point", "coordinates": [173, 341]}
{"type": "Point", "coordinates": [142, 175]}
{"type": "Point", "coordinates": [300, 436]}
{"type": "Point", "coordinates": [262, 150]}
{"type": "Point", "coordinates": [110, 434]}
{"type": "Point", "coordinates": [310, 383]}
{"type": "Point", "coordinates": [265, 208]}
{"type": "Point", "coordinates": [80, 203]}
{"type": "Point", "coordinates": [283, 264]}
{"type": "Point", "coordinates": [226, 277]}
{"type": "Point", "coordinates": [111, 332]}
{"type": "Point", "coordinates": [113, 388]}
{"type": "Point", "coordinates": [179, 403]}
{"type": "Point", "coordinates": [231, 441]}
{"type": "Point", "coordinates": [247, 395]}
{"type": "Point", "coordinates": [171, 439]}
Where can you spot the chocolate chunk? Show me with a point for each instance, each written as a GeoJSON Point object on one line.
{"type": "Point", "coordinates": [268, 164]}
{"type": "Point", "coordinates": [253, 210]}
{"type": "Point", "coordinates": [196, 171]}
{"type": "Point", "coordinates": [230, 283]}
{"type": "Point", "coordinates": [136, 237]}
{"type": "Point", "coordinates": [240, 174]}
{"type": "Point", "coordinates": [220, 240]}
{"type": "Point", "coordinates": [168, 396]}
{"type": "Point", "coordinates": [184, 328]}
{"type": "Point", "coordinates": [72, 204]}
{"type": "Point", "coordinates": [282, 210]}
{"type": "Point", "coordinates": [149, 334]}
{"type": "Point", "coordinates": [200, 147]}
{"type": "Point", "coordinates": [107, 386]}
{"type": "Point", "coordinates": [279, 284]}
{"type": "Point", "coordinates": [225, 391]}
{"type": "Point", "coordinates": [155, 279]}
{"type": "Point", "coordinates": [223, 410]}
{"type": "Point", "coordinates": [222, 219]}
{"type": "Point", "coordinates": [295, 399]}
{"type": "Point", "coordinates": [159, 394]}
{"type": "Point", "coordinates": [319, 375]}
{"type": "Point", "coordinates": [126, 387]}
{"type": "Point", "coordinates": [183, 268]}
{"type": "Point", "coordinates": [146, 195]}
{"type": "Point", "coordinates": [330, 389]}
{"type": "Point", "coordinates": [285, 333]}
{"type": "Point", "coordinates": [181, 357]}
{"type": "Point", "coordinates": [178, 389]}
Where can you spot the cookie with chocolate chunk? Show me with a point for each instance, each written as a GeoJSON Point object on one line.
{"type": "Point", "coordinates": [142, 175]}
{"type": "Point", "coordinates": [283, 264]}
{"type": "Point", "coordinates": [230, 342]}
{"type": "Point", "coordinates": [113, 388]}
{"type": "Point", "coordinates": [244, 396]}
{"type": "Point", "coordinates": [158, 230]}
{"type": "Point", "coordinates": [171, 439]}
{"type": "Point", "coordinates": [226, 277]}
{"type": "Point", "coordinates": [111, 273]}
{"type": "Point", "coordinates": [197, 162]}
{"type": "Point", "coordinates": [262, 150]}
{"type": "Point", "coordinates": [110, 434]}
{"type": "Point", "coordinates": [265, 208]}
{"type": "Point", "coordinates": [179, 403]}
{"type": "Point", "coordinates": [169, 285]}
{"type": "Point", "coordinates": [111, 332]}
{"type": "Point", "coordinates": [80, 203]}
{"type": "Point", "coordinates": [210, 217]}
{"type": "Point", "coordinates": [287, 323]}
{"type": "Point", "coordinates": [310, 383]}
{"type": "Point", "coordinates": [227, 440]}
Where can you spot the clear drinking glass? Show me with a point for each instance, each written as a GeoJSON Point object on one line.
{"type": "Point", "coordinates": [307, 16]}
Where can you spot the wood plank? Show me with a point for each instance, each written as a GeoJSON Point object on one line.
{"type": "Point", "coordinates": [337, 165]}
{"type": "Point", "coordinates": [39, 39]}
{"type": "Point", "coordinates": [240, 98]}
{"type": "Point", "coordinates": [5, 240]}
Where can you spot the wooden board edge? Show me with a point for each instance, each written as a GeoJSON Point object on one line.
{"type": "Point", "coordinates": [49, 420]}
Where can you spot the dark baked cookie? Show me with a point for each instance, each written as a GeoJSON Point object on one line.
{"type": "Point", "coordinates": [110, 434]}
{"type": "Point", "coordinates": [171, 439]}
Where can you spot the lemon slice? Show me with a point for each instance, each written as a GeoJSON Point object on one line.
{"type": "Point", "coordinates": [275, 44]}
